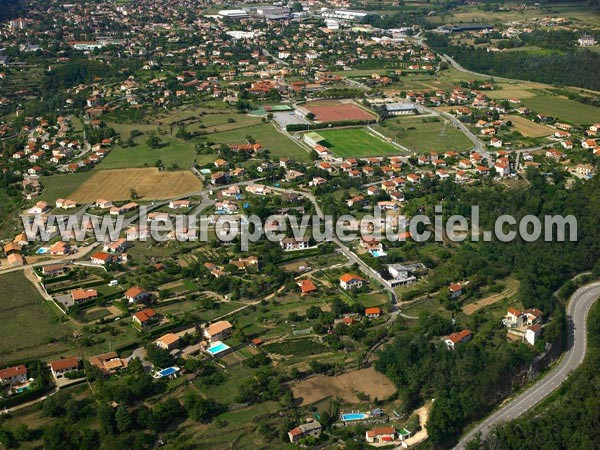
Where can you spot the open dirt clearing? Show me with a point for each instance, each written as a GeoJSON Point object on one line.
{"type": "Point", "coordinates": [149, 183]}
{"type": "Point", "coordinates": [346, 386]}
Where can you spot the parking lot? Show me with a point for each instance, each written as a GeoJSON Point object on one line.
{"type": "Point", "coordinates": [288, 118]}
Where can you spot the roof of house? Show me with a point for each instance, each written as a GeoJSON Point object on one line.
{"type": "Point", "coordinates": [379, 431]}
{"type": "Point", "coordinates": [65, 363]}
{"type": "Point", "coordinates": [103, 256]}
{"type": "Point", "coordinates": [144, 315]}
{"type": "Point", "coordinates": [310, 426]}
{"type": "Point", "coordinates": [83, 294]}
{"type": "Point", "coordinates": [134, 291]}
{"type": "Point", "coordinates": [14, 258]}
{"type": "Point", "coordinates": [374, 310]}
{"type": "Point", "coordinates": [534, 312]}
{"type": "Point", "coordinates": [307, 285]}
{"type": "Point", "coordinates": [455, 287]}
{"type": "Point", "coordinates": [535, 328]}
{"type": "Point", "coordinates": [295, 431]}
{"type": "Point", "coordinates": [514, 312]}
{"type": "Point", "coordinates": [459, 336]}
{"type": "Point", "coordinates": [218, 327]}
{"type": "Point", "coordinates": [12, 247]}
{"type": "Point", "coordinates": [347, 277]}
{"type": "Point", "coordinates": [168, 339]}
{"type": "Point", "coordinates": [53, 267]}
{"type": "Point", "coordinates": [10, 372]}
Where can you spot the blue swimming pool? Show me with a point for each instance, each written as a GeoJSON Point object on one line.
{"type": "Point", "coordinates": [378, 253]}
{"type": "Point", "coordinates": [354, 416]}
{"type": "Point", "coordinates": [166, 372]}
{"type": "Point", "coordinates": [42, 250]}
{"type": "Point", "coordinates": [217, 347]}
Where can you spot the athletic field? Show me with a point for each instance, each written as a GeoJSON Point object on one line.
{"type": "Point", "coordinates": [356, 142]}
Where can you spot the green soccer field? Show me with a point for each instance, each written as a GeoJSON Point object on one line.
{"type": "Point", "coordinates": [357, 142]}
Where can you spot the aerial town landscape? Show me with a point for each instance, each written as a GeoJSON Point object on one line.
{"type": "Point", "coordinates": [312, 224]}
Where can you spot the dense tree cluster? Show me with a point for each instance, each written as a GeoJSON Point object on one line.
{"type": "Point", "coordinates": [554, 67]}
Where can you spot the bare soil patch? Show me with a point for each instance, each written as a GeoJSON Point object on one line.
{"type": "Point", "coordinates": [346, 386]}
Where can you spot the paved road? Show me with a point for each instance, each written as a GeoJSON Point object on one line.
{"type": "Point", "coordinates": [577, 311]}
{"type": "Point", "coordinates": [457, 66]}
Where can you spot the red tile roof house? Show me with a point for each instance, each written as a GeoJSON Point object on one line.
{"type": "Point", "coordinates": [350, 281]}
{"type": "Point", "coordinates": [373, 313]}
{"type": "Point", "coordinates": [218, 330]}
{"type": "Point", "coordinates": [13, 375]}
{"type": "Point", "coordinates": [306, 286]}
{"type": "Point", "coordinates": [306, 429]}
{"type": "Point", "coordinates": [83, 295]}
{"type": "Point", "coordinates": [62, 366]}
{"type": "Point", "coordinates": [514, 318]}
{"type": "Point", "coordinates": [533, 316]}
{"type": "Point", "coordinates": [136, 294]}
{"type": "Point", "coordinates": [457, 338]}
{"type": "Point", "coordinates": [103, 204]}
{"type": "Point", "coordinates": [144, 317]}
{"type": "Point", "coordinates": [179, 204]}
{"type": "Point", "coordinates": [383, 434]}
{"type": "Point", "coordinates": [455, 290]}
{"type": "Point", "coordinates": [101, 258]}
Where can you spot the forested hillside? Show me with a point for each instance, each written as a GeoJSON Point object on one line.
{"type": "Point", "coordinates": [576, 67]}
{"type": "Point", "coordinates": [470, 381]}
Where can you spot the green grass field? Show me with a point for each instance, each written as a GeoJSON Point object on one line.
{"type": "Point", "coordinates": [296, 347]}
{"type": "Point", "coordinates": [60, 186]}
{"type": "Point", "coordinates": [357, 142]}
{"type": "Point", "coordinates": [278, 144]}
{"type": "Point", "coordinates": [174, 151]}
{"type": "Point", "coordinates": [423, 137]}
{"type": "Point", "coordinates": [563, 109]}
{"type": "Point", "coordinates": [30, 328]}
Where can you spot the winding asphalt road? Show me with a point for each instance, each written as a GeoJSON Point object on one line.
{"type": "Point", "coordinates": [577, 311]}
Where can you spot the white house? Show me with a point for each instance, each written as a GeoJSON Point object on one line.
{"type": "Point", "coordinates": [294, 244]}
{"type": "Point", "coordinates": [514, 318]}
{"type": "Point", "coordinates": [457, 338]}
{"type": "Point", "coordinates": [533, 333]}
{"type": "Point", "coordinates": [350, 281]}
{"type": "Point", "coordinates": [13, 375]}
{"type": "Point", "coordinates": [62, 366]}
{"type": "Point", "coordinates": [381, 435]}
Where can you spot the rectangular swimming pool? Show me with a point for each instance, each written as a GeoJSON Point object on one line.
{"type": "Point", "coordinates": [354, 416]}
{"type": "Point", "coordinates": [166, 372]}
{"type": "Point", "coordinates": [217, 347]}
